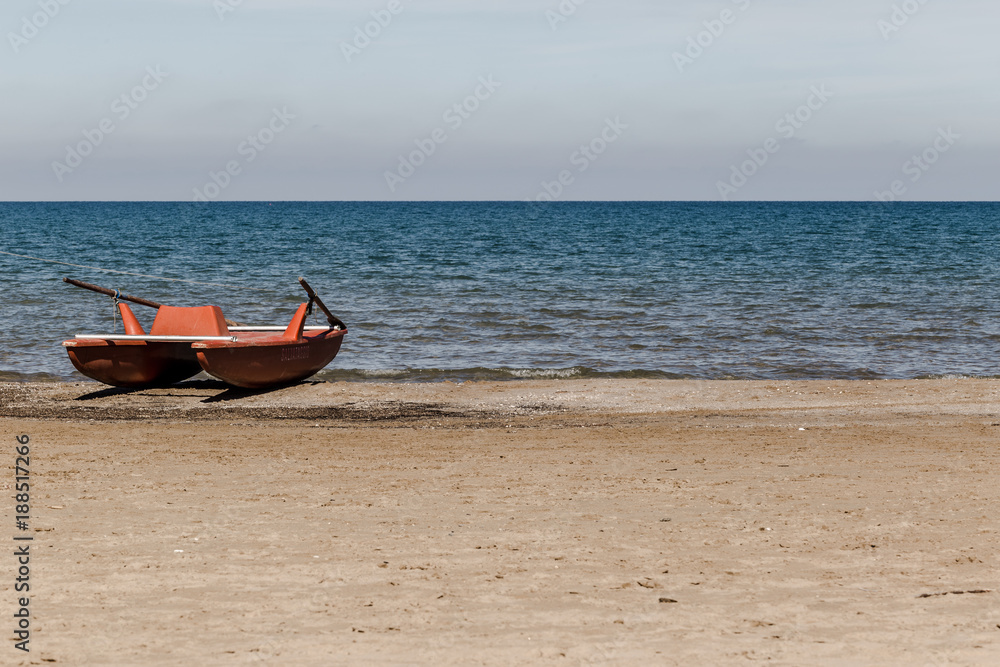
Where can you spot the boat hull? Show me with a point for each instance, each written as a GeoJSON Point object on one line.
{"type": "Point", "coordinates": [185, 341]}
{"type": "Point", "coordinates": [260, 360]}
{"type": "Point", "coordinates": [133, 363]}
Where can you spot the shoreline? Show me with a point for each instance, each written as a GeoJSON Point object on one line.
{"type": "Point", "coordinates": [334, 374]}
{"type": "Point", "coordinates": [353, 402]}
{"type": "Point", "coordinates": [539, 522]}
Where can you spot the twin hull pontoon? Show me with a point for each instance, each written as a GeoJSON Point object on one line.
{"type": "Point", "coordinates": [184, 341]}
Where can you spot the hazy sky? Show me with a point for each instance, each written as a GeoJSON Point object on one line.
{"type": "Point", "coordinates": [147, 99]}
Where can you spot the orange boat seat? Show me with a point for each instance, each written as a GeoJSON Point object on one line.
{"type": "Point", "coordinates": [199, 321]}
{"type": "Point", "coordinates": [132, 326]}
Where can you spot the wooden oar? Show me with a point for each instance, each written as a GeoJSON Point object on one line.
{"type": "Point", "coordinates": [335, 322]}
{"type": "Point", "coordinates": [126, 297]}
{"type": "Point", "coordinates": [111, 292]}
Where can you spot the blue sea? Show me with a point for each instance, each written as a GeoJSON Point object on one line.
{"type": "Point", "coordinates": [469, 291]}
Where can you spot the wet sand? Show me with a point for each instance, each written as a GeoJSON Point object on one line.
{"type": "Point", "coordinates": [565, 523]}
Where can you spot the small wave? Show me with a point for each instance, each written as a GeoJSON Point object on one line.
{"type": "Point", "coordinates": [872, 306]}
{"type": "Point", "coordinates": [543, 373]}
{"type": "Point", "coordinates": [376, 373]}
{"type": "Point", "coordinates": [954, 376]}
{"type": "Point", "coordinates": [14, 376]}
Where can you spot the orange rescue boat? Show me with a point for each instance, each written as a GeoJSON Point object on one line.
{"type": "Point", "coordinates": [184, 341]}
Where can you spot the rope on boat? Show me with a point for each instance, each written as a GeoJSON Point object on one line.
{"type": "Point", "coordinates": [128, 273]}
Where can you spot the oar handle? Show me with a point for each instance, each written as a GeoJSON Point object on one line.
{"type": "Point", "coordinates": [111, 292]}
{"type": "Point", "coordinates": [126, 297]}
{"type": "Point", "coordinates": [333, 319]}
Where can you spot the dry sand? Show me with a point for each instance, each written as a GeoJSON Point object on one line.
{"type": "Point", "coordinates": [563, 523]}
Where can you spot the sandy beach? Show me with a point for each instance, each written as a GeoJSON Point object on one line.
{"type": "Point", "coordinates": [538, 522]}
